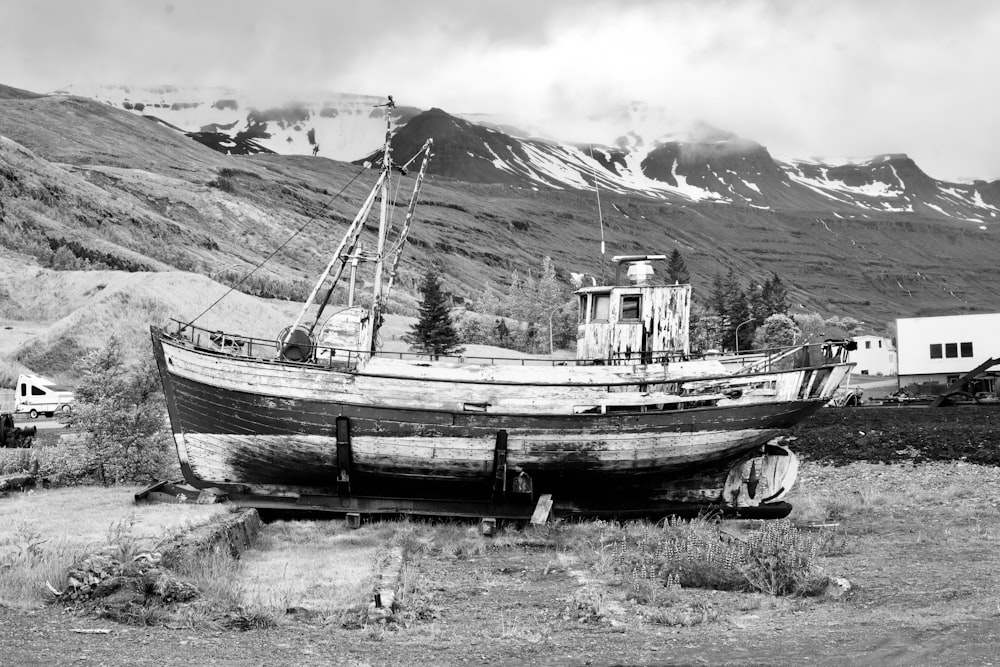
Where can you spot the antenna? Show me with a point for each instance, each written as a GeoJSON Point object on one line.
{"type": "Point", "coordinates": [600, 215]}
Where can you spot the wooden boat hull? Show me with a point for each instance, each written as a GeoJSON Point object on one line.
{"type": "Point", "coordinates": [282, 430]}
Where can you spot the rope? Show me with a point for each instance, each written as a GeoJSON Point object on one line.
{"type": "Point", "coordinates": [395, 198]}
{"type": "Point", "coordinates": [280, 247]}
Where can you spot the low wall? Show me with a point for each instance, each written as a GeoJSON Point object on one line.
{"type": "Point", "coordinates": [231, 536]}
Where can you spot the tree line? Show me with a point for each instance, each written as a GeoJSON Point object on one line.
{"type": "Point", "coordinates": [534, 312]}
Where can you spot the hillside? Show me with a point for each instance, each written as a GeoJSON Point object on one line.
{"type": "Point", "coordinates": [85, 181]}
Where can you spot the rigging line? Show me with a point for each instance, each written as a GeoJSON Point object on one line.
{"type": "Point", "coordinates": [600, 215]}
{"type": "Point", "coordinates": [392, 205]}
{"type": "Point", "coordinates": [399, 182]}
{"type": "Point", "coordinates": [422, 152]}
{"type": "Point", "coordinates": [280, 247]}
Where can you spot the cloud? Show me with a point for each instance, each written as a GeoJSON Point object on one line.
{"type": "Point", "coordinates": [803, 77]}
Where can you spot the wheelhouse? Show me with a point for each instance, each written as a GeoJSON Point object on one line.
{"type": "Point", "coordinates": [634, 323]}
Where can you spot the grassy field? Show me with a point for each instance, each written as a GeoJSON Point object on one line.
{"type": "Point", "coordinates": [43, 532]}
{"type": "Point", "coordinates": [892, 500]}
{"type": "Point", "coordinates": [917, 542]}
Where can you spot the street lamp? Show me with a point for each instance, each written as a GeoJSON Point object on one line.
{"type": "Point", "coordinates": [738, 333]}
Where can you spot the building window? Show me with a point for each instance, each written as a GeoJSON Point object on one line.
{"type": "Point", "coordinates": [880, 343]}
{"type": "Point", "coordinates": [966, 349]}
{"type": "Point", "coordinates": [935, 350]}
{"type": "Point", "coordinates": [951, 350]}
{"type": "Point", "coordinates": [630, 308]}
{"type": "Point", "coordinates": [599, 307]}
{"type": "Point", "coordinates": [868, 345]}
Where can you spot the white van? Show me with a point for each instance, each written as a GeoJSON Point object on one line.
{"type": "Point", "coordinates": [37, 395]}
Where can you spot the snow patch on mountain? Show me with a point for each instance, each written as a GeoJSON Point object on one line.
{"type": "Point", "coordinates": [638, 146]}
{"type": "Point", "coordinates": [342, 126]}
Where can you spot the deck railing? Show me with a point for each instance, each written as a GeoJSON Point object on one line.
{"type": "Point", "coordinates": [318, 355]}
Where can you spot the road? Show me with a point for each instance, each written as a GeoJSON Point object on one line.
{"type": "Point", "coordinates": [42, 423]}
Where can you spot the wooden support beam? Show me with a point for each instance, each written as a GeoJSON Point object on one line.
{"type": "Point", "coordinates": [500, 466]}
{"type": "Point", "coordinates": [344, 456]}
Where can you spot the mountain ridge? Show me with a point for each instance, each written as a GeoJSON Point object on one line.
{"type": "Point", "coordinates": [109, 187]}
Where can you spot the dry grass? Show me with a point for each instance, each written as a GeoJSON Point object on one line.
{"type": "Point", "coordinates": [314, 567]}
{"type": "Point", "coordinates": [325, 569]}
{"type": "Point", "coordinates": [43, 532]}
{"type": "Point", "coordinates": [80, 310]}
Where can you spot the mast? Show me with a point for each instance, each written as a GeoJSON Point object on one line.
{"type": "Point", "coordinates": [405, 230]}
{"type": "Point", "coordinates": [349, 242]}
{"type": "Point", "coordinates": [352, 233]}
{"type": "Point", "coordinates": [383, 226]}
{"type": "Point", "coordinates": [600, 215]}
{"type": "Point", "coordinates": [348, 250]}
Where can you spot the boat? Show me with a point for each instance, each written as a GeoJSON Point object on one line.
{"type": "Point", "coordinates": [319, 418]}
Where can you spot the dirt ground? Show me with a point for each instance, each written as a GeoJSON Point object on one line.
{"type": "Point", "coordinates": [921, 548]}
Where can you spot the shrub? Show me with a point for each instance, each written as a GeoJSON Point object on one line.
{"type": "Point", "coordinates": [120, 417]}
{"type": "Point", "coordinates": [224, 184]}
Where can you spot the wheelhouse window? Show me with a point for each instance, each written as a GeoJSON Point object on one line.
{"type": "Point", "coordinates": [936, 351]}
{"type": "Point", "coordinates": [600, 306]}
{"type": "Point", "coordinates": [966, 349]}
{"type": "Point", "coordinates": [951, 350]}
{"type": "Point", "coordinates": [631, 307]}
{"type": "Point", "coordinates": [582, 309]}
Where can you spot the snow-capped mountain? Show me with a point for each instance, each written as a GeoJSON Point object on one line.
{"type": "Point", "coordinates": [634, 153]}
{"type": "Point", "coordinates": [338, 126]}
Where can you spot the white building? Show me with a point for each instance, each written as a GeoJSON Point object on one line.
{"type": "Point", "coordinates": [875, 356]}
{"type": "Point", "coordinates": [938, 350]}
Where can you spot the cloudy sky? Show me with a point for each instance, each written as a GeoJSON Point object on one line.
{"type": "Point", "coordinates": [805, 78]}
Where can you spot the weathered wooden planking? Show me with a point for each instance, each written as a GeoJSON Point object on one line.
{"type": "Point", "coordinates": [187, 359]}
{"type": "Point", "coordinates": [302, 465]}
{"type": "Point", "coordinates": [209, 409]}
{"type": "Point", "coordinates": [542, 508]}
{"type": "Point", "coordinates": [271, 427]}
{"type": "Point", "coordinates": [662, 324]}
{"type": "Point", "coordinates": [16, 482]}
{"type": "Point", "coordinates": [284, 382]}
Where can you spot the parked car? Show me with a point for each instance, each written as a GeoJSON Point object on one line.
{"type": "Point", "coordinates": [904, 397]}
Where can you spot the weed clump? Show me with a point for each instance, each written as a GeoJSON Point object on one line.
{"type": "Point", "coordinates": [775, 558]}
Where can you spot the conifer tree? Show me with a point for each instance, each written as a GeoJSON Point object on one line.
{"type": "Point", "coordinates": [775, 296]}
{"type": "Point", "coordinates": [677, 271]}
{"type": "Point", "coordinates": [434, 333]}
{"type": "Point", "coordinates": [502, 332]}
{"type": "Point", "coordinates": [729, 301]}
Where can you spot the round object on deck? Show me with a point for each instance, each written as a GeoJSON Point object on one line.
{"type": "Point", "coordinates": [296, 345]}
